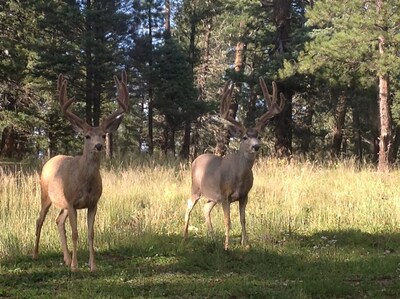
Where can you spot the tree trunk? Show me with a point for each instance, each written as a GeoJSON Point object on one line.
{"type": "Point", "coordinates": [240, 58]}
{"type": "Point", "coordinates": [89, 69]}
{"type": "Point", "coordinates": [168, 144]}
{"type": "Point", "coordinates": [89, 90]}
{"type": "Point", "coordinates": [206, 58]}
{"type": "Point", "coordinates": [241, 46]}
{"type": "Point", "coordinates": [7, 142]}
{"type": "Point", "coordinates": [385, 139]}
{"type": "Point", "coordinates": [373, 142]}
{"type": "Point", "coordinates": [282, 21]}
{"type": "Point", "coordinates": [201, 83]}
{"type": "Point", "coordinates": [96, 100]}
{"type": "Point", "coordinates": [172, 141]}
{"type": "Point", "coordinates": [304, 130]}
{"type": "Point", "coordinates": [167, 22]}
{"type": "Point", "coordinates": [251, 108]}
{"type": "Point", "coordinates": [396, 145]}
{"type": "Point", "coordinates": [340, 114]}
{"type": "Point", "coordinates": [357, 133]}
{"type": "Point", "coordinates": [283, 130]}
{"type": "Point", "coordinates": [185, 150]}
{"type": "Point", "coordinates": [150, 90]}
{"type": "Point", "coordinates": [150, 122]}
{"type": "Point", "coordinates": [283, 123]}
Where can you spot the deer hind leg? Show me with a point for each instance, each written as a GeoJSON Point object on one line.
{"type": "Point", "coordinates": [74, 228]}
{"type": "Point", "coordinates": [207, 215]}
{"type": "Point", "coordinates": [226, 207]}
{"type": "Point", "coordinates": [46, 203]}
{"type": "Point", "coordinates": [190, 205]}
{"type": "Point", "coordinates": [242, 210]}
{"type": "Point", "coordinates": [60, 221]}
{"type": "Point", "coordinates": [90, 223]}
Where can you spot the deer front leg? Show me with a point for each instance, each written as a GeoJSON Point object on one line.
{"type": "Point", "coordinates": [60, 221]}
{"type": "Point", "coordinates": [90, 223]}
{"type": "Point", "coordinates": [226, 207]}
{"type": "Point", "coordinates": [74, 228]}
{"type": "Point", "coordinates": [242, 214]}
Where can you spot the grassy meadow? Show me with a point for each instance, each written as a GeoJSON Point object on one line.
{"type": "Point", "coordinates": [316, 231]}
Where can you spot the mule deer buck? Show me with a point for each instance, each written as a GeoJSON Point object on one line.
{"type": "Point", "coordinates": [72, 183]}
{"type": "Point", "coordinates": [228, 179]}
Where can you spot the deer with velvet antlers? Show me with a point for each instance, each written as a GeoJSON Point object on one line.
{"type": "Point", "coordinates": [228, 179]}
{"type": "Point", "coordinates": [72, 183]}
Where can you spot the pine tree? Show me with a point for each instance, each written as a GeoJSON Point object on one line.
{"type": "Point", "coordinates": [344, 50]}
{"type": "Point", "coordinates": [175, 96]}
{"type": "Point", "coordinates": [19, 106]}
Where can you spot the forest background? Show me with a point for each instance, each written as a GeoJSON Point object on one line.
{"type": "Point", "coordinates": [337, 62]}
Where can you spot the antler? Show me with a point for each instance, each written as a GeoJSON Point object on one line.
{"type": "Point", "coordinates": [65, 102]}
{"type": "Point", "coordinates": [122, 97]}
{"type": "Point", "coordinates": [226, 98]}
{"type": "Point", "coordinates": [272, 104]}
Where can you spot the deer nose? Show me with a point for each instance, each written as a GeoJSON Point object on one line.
{"type": "Point", "coordinates": [256, 147]}
{"type": "Point", "coordinates": [99, 146]}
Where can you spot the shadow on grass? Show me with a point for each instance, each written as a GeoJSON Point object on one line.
{"type": "Point", "coordinates": [355, 239]}
{"type": "Point", "coordinates": [335, 264]}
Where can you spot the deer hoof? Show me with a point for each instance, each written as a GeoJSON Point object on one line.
{"type": "Point", "coordinates": [74, 267]}
{"type": "Point", "coordinates": [67, 261]}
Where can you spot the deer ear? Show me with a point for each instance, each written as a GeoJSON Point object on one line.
{"type": "Point", "coordinates": [235, 131]}
{"type": "Point", "coordinates": [112, 125]}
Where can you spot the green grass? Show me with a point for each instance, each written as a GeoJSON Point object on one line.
{"type": "Point", "coordinates": [316, 232]}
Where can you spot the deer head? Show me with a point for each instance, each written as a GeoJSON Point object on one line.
{"type": "Point", "coordinates": [250, 137]}
{"type": "Point", "coordinates": [95, 136]}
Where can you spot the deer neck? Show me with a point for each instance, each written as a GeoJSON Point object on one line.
{"type": "Point", "coordinates": [89, 164]}
{"type": "Point", "coordinates": [246, 162]}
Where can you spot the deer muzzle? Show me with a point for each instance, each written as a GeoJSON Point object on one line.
{"type": "Point", "coordinates": [98, 146]}
{"type": "Point", "coordinates": [256, 147]}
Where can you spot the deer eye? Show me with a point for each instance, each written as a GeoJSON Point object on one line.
{"type": "Point", "coordinates": [87, 136]}
{"type": "Point", "coordinates": [259, 137]}
{"type": "Point", "coordinates": [104, 136]}
{"type": "Point", "coordinates": [245, 137]}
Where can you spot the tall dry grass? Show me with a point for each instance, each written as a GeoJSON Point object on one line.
{"type": "Point", "coordinates": [301, 198]}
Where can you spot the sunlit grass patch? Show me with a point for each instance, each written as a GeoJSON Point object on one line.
{"type": "Point", "coordinates": [316, 231]}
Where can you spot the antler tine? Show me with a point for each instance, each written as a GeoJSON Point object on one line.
{"type": "Point", "coordinates": [267, 96]}
{"type": "Point", "coordinates": [122, 91]}
{"type": "Point", "coordinates": [122, 96]}
{"type": "Point", "coordinates": [60, 81]}
{"type": "Point", "coordinates": [124, 77]}
{"type": "Point", "coordinates": [226, 98]}
{"type": "Point", "coordinates": [271, 102]}
{"type": "Point", "coordinates": [65, 102]}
